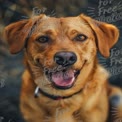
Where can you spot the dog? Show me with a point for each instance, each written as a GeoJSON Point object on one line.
{"type": "Point", "coordinates": [63, 80]}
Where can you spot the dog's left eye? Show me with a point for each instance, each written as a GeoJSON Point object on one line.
{"type": "Point", "coordinates": [43, 39]}
{"type": "Point", "coordinates": [80, 37]}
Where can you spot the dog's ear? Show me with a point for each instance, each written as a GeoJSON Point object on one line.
{"type": "Point", "coordinates": [15, 34]}
{"type": "Point", "coordinates": [106, 34]}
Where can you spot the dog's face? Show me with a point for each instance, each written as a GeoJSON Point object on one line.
{"type": "Point", "coordinates": [61, 48]}
{"type": "Point", "coordinates": [61, 52]}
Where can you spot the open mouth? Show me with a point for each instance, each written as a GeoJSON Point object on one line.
{"type": "Point", "coordinates": [63, 79]}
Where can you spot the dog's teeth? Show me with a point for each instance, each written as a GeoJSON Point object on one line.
{"type": "Point", "coordinates": [36, 94]}
{"type": "Point", "coordinates": [75, 71]}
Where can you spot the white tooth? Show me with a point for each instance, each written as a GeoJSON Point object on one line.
{"type": "Point", "coordinates": [75, 71]}
{"type": "Point", "coordinates": [36, 93]}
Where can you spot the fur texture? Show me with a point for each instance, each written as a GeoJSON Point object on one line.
{"type": "Point", "coordinates": [92, 104]}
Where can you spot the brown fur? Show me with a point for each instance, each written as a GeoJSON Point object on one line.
{"type": "Point", "coordinates": [92, 103]}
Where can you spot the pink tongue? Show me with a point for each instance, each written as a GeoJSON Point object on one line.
{"type": "Point", "coordinates": [63, 78]}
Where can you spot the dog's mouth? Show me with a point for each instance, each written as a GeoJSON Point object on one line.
{"type": "Point", "coordinates": [63, 79]}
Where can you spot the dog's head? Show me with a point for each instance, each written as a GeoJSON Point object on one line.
{"type": "Point", "coordinates": [61, 52]}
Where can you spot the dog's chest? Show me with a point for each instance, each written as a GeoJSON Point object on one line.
{"type": "Point", "coordinates": [64, 115]}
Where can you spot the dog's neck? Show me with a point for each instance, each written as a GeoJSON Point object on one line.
{"type": "Point", "coordinates": [53, 97]}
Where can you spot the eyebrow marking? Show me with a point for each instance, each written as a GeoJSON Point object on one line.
{"type": "Point", "coordinates": [74, 31]}
{"type": "Point", "coordinates": [49, 32]}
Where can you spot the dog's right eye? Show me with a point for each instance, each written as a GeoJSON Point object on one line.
{"type": "Point", "coordinates": [43, 39]}
{"type": "Point", "coordinates": [80, 37]}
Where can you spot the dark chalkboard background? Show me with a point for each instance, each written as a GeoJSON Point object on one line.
{"type": "Point", "coordinates": [11, 66]}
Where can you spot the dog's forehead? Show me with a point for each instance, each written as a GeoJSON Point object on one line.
{"type": "Point", "coordinates": [72, 21]}
{"type": "Point", "coordinates": [51, 23]}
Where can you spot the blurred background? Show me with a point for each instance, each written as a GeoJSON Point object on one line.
{"type": "Point", "coordinates": [11, 66]}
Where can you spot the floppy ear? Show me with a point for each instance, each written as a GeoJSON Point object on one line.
{"type": "Point", "coordinates": [16, 33]}
{"type": "Point", "coordinates": [106, 34]}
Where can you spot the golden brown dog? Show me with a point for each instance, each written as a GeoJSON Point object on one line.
{"type": "Point", "coordinates": [62, 68]}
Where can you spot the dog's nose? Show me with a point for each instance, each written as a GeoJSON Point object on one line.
{"type": "Point", "coordinates": [65, 58]}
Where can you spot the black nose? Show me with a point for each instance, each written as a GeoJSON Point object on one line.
{"type": "Point", "coordinates": [65, 58]}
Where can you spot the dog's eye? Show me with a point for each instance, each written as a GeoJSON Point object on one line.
{"type": "Point", "coordinates": [80, 37]}
{"type": "Point", "coordinates": [43, 39]}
